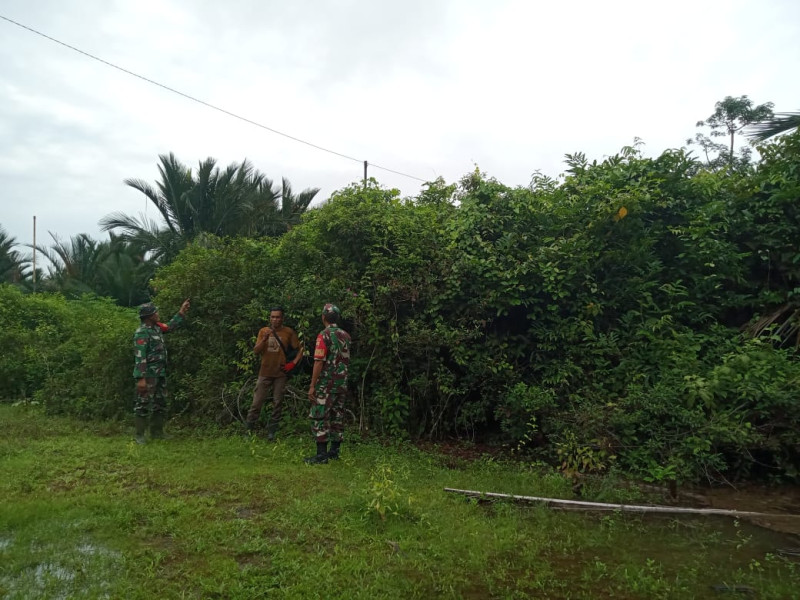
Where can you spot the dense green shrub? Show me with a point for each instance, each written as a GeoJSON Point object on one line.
{"type": "Point", "coordinates": [95, 375]}
{"type": "Point", "coordinates": [579, 317]}
{"type": "Point", "coordinates": [32, 332]}
{"type": "Point", "coordinates": [72, 356]}
{"type": "Point", "coordinates": [606, 318]}
{"type": "Point", "coordinates": [367, 250]}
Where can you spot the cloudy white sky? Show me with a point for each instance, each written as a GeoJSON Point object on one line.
{"type": "Point", "coordinates": [426, 87]}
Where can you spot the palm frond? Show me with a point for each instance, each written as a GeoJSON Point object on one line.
{"type": "Point", "coordinates": [176, 183]}
{"type": "Point", "coordinates": [12, 265]}
{"type": "Point", "coordinates": [780, 123]}
{"type": "Point", "coordinates": [293, 206]}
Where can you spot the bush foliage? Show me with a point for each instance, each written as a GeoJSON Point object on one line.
{"type": "Point", "coordinates": [638, 313]}
{"type": "Point", "coordinates": [72, 356]}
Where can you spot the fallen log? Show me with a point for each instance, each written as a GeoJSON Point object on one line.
{"type": "Point", "coordinates": [603, 506]}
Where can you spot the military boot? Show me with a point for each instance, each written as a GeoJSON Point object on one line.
{"type": "Point", "coordinates": [321, 457]}
{"type": "Point", "coordinates": [249, 429]}
{"type": "Point", "coordinates": [157, 427]}
{"type": "Point", "coordinates": [272, 429]}
{"type": "Point", "coordinates": [333, 453]}
{"type": "Point", "coordinates": [141, 425]}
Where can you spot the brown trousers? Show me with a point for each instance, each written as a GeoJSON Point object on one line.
{"type": "Point", "coordinates": [278, 385]}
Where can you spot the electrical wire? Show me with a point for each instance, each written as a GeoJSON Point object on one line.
{"type": "Point", "coordinates": [217, 108]}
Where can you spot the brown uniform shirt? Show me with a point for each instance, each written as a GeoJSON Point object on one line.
{"type": "Point", "coordinates": [272, 357]}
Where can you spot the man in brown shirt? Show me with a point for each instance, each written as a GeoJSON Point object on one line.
{"type": "Point", "coordinates": [272, 344]}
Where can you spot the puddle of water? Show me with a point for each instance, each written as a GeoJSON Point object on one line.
{"type": "Point", "coordinates": [723, 542]}
{"type": "Point", "coordinates": [45, 580]}
{"type": "Point", "coordinates": [59, 580]}
{"type": "Point", "coordinates": [88, 549]}
{"type": "Point", "coordinates": [45, 571]}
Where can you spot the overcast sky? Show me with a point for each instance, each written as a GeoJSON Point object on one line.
{"type": "Point", "coordinates": [426, 87]}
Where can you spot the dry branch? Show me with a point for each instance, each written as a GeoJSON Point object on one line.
{"type": "Point", "coordinates": [602, 506]}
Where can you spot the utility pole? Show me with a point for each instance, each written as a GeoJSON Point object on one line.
{"type": "Point", "coordinates": [365, 174]}
{"type": "Point", "coordinates": [34, 254]}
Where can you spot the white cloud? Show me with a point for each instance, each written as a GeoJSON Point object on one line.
{"type": "Point", "coordinates": [424, 87]}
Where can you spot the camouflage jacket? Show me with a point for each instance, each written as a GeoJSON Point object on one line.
{"type": "Point", "coordinates": [333, 347]}
{"type": "Point", "coordinates": [149, 351]}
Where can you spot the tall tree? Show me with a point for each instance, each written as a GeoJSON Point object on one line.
{"type": "Point", "coordinates": [731, 115]}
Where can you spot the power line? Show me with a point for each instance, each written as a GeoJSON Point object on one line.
{"type": "Point", "coordinates": [217, 108]}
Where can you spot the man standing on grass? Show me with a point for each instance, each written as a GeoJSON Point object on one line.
{"type": "Point", "coordinates": [280, 351]}
{"type": "Point", "coordinates": [150, 369]}
{"type": "Point", "coordinates": [329, 386]}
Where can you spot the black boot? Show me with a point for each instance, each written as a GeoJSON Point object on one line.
{"type": "Point", "coordinates": [249, 429]}
{"type": "Point", "coordinates": [321, 457]}
{"type": "Point", "coordinates": [333, 453]}
{"type": "Point", "coordinates": [157, 427]}
{"type": "Point", "coordinates": [272, 429]}
{"type": "Point", "coordinates": [141, 426]}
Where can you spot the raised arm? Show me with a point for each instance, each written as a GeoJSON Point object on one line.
{"type": "Point", "coordinates": [261, 340]}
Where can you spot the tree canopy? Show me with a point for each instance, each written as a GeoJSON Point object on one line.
{"type": "Point", "coordinates": [731, 116]}
{"type": "Point", "coordinates": [236, 200]}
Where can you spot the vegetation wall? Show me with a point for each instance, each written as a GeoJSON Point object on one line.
{"type": "Point", "coordinates": [639, 314]}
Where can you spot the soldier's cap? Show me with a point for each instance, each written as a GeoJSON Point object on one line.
{"type": "Point", "coordinates": [147, 309]}
{"type": "Point", "coordinates": [330, 309]}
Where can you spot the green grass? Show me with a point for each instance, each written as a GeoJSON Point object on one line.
{"type": "Point", "coordinates": [86, 513]}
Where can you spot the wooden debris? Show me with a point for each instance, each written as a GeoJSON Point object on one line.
{"type": "Point", "coordinates": [736, 589]}
{"type": "Point", "coordinates": [559, 503]}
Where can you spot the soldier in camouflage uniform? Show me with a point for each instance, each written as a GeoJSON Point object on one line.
{"type": "Point", "coordinates": [329, 386]}
{"type": "Point", "coordinates": [150, 369]}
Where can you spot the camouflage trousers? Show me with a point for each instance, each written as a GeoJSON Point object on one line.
{"type": "Point", "coordinates": [327, 416]}
{"type": "Point", "coordinates": [154, 399]}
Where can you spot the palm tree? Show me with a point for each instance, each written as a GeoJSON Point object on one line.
{"type": "Point", "coordinates": [293, 206]}
{"type": "Point", "coordinates": [227, 202]}
{"type": "Point", "coordinates": [171, 199]}
{"type": "Point", "coordinates": [11, 263]}
{"type": "Point", "coordinates": [115, 268]}
{"type": "Point", "coordinates": [72, 265]}
{"type": "Point", "coordinates": [278, 210]}
{"type": "Point", "coordinates": [237, 200]}
{"type": "Point", "coordinates": [161, 245]}
{"type": "Point", "coordinates": [778, 124]}
{"type": "Point", "coordinates": [123, 272]}
{"type": "Point", "coordinates": [264, 209]}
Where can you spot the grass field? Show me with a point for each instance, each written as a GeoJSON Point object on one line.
{"type": "Point", "coordinates": [86, 513]}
